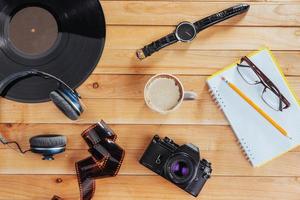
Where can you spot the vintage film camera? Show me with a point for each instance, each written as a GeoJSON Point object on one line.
{"type": "Point", "coordinates": [180, 165]}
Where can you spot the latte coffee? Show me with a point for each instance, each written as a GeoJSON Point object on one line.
{"type": "Point", "coordinates": [164, 93]}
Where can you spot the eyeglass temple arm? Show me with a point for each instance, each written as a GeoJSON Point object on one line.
{"type": "Point", "coordinates": [287, 103]}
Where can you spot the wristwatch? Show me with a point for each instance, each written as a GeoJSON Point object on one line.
{"type": "Point", "coordinates": [187, 31]}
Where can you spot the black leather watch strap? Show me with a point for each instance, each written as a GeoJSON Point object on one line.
{"type": "Point", "coordinates": [156, 46]}
{"type": "Point", "coordinates": [221, 16]}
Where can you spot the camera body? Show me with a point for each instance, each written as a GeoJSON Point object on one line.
{"type": "Point", "coordinates": [180, 165]}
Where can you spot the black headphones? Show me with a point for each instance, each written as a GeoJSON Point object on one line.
{"type": "Point", "coordinates": [46, 145]}
{"type": "Point", "coordinates": [64, 97]}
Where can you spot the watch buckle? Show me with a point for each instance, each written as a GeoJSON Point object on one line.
{"type": "Point", "coordinates": [140, 54]}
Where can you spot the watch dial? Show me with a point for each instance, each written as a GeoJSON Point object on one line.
{"type": "Point", "coordinates": [186, 32]}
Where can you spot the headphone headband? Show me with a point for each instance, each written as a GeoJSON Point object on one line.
{"type": "Point", "coordinates": [19, 75]}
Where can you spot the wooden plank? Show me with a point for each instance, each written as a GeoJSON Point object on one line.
{"type": "Point", "coordinates": [153, 187]}
{"type": "Point", "coordinates": [171, 13]}
{"type": "Point", "coordinates": [225, 163]}
{"type": "Point", "coordinates": [117, 111]}
{"type": "Point", "coordinates": [217, 144]}
{"type": "Point", "coordinates": [122, 61]}
{"type": "Point", "coordinates": [215, 38]}
{"type": "Point", "coordinates": [208, 138]}
{"type": "Point", "coordinates": [132, 86]}
{"type": "Point", "coordinates": [129, 107]}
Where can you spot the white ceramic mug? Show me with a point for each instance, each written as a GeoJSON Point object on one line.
{"type": "Point", "coordinates": [165, 93]}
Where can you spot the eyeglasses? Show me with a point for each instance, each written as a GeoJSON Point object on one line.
{"type": "Point", "coordinates": [254, 76]}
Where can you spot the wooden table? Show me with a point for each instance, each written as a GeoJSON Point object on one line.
{"type": "Point", "coordinates": [115, 93]}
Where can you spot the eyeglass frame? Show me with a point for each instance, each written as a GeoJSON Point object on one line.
{"type": "Point", "coordinates": [265, 81]}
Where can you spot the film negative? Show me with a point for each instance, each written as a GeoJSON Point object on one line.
{"type": "Point", "coordinates": [64, 38]}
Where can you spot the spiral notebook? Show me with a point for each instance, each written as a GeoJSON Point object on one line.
{"type": "Point", "coordinates": [259, 139]}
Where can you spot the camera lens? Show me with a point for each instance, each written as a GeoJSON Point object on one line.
{"type": "Point", "coordinates": [180, 169]}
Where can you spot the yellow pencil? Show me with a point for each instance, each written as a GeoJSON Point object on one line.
{"type": "Point", "coordinates": [258, 109]}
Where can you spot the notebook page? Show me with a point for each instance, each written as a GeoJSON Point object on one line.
{"type": "Point", "coordinates": [260, 139]}
{"type": "Point", "coordinates": [290, 117]}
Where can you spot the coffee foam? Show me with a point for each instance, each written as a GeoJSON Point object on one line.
{"type": "Point", "coordinates": [163, 94]}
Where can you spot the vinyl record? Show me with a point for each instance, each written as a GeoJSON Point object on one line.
{"type": "Point", "coordinates": [64, 38]}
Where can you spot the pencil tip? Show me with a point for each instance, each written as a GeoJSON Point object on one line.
{"type": "Point", "coordinates": [224, 79]}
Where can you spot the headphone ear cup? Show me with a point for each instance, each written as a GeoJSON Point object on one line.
{"type": "Point", "coordinates": [48, 145]}
{"type": "Point", "coordinates": [48, 141]}
{"type": "Point", "coordinates": [63, 105]}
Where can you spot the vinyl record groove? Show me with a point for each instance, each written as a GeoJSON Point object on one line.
{"type": "Point", "coordinates": [62, 37]}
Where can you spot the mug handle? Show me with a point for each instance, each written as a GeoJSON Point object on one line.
{"type": "Point", "coordinates": [190, 96]}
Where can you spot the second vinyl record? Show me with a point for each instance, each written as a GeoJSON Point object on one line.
{"type": "Point", "coordinates": [62, 37]}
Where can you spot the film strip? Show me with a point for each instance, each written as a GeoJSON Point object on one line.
{"type": "Point", "coordinates": [105, 160]}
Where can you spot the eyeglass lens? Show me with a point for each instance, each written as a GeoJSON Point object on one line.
{"type": "Point", "coordinates": [268, 96]}
{"type": "Point", "coordinates": [271, 99]}
{"type": "Point", "coordinates": [248, 74]}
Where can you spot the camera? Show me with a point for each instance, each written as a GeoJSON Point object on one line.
{"type": "Point", "coordinates": [180, 165]}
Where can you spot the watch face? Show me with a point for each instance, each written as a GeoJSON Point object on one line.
{"type": "Point", "coordinates": [185, 32]}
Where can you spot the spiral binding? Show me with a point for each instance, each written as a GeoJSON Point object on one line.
{"type": "Point", "coordinates": [245, 149]}
{"type": "Point", "coordinates": [216, 96]}
{"type": "Point", "coordinates": [214, 92]}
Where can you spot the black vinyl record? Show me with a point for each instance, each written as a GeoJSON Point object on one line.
{"type": "Point", "coordinates": [64, 38]}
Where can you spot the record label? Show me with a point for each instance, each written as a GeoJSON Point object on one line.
{"type": "Point", "coordinates": [33, 34]}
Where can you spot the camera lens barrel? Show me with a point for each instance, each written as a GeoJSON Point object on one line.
{"type": "Point", "coordinates": [180, 169]}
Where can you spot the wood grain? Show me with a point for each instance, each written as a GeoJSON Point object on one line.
{"type": "Point", "coordinates": [117, 111]}
{"type": "Point", "coordinates": [225, 163]}
{"type": "Point", "coordinates": [191, 62]}
{"type": "Point", "coordinates": [207, 137]}
{"type": "Point", "coordinates": [115, 93]}
{"type": "Point", "coordinates": [166, 13]}
{"type": "Point", "coordinates": [128, 104]}
{"type": "Point", "coordinates": [131, 137]}
{"type": "Point", "coordinates": [128, 187]}
{"type": "Point", "coordinates": [132, 86]}
{"type": "Point", "coordinates": [215, 38]}
{"type": "Point", "coordinates": [217, 144]}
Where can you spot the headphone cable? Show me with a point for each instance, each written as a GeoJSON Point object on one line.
{"type": "Point", "coordinates": [5, 142]}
